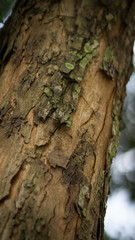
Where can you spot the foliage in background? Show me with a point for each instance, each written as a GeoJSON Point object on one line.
{"type": "Point", "coordinates": [123, 170]}
{"type": "Point", "coordinates": [5, 8]}
{"type": "Point", "coordinates": [124, 177]}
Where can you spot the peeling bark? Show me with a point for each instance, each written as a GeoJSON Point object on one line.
{"type": "Point", "coordinates": [64, 67]}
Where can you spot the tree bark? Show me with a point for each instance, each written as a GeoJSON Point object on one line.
{"type": "Point", "coordinates": [64, 67]}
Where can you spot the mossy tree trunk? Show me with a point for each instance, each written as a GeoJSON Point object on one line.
{"type": "Point", "coordinates": [64, 66]}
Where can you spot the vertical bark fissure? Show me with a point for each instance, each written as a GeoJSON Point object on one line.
{"type": "Point", "coordinates": [105, 117]}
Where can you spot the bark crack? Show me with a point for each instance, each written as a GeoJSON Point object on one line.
{"type": "Point", "coordinates": [85, 101]}
{"type": "Point", "coordinates": [88, 119]}
{"type": "Point", "coordinates": [46, 185]}
{"type": "Point", "coordinates": [51, 218]}
{"type": "Point", "coordinates": [6, 222]}
{"type": "Point", "coordinates": [12, 183]}
{"type": "Point", "coordinates": [106, 112]}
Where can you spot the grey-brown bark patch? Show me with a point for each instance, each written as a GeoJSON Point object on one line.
{"type": "Point", "coordinates": [57, 155]}
{"type": "Point", "coordinates": [10, 166]}
{"type": "Point", "coordinates": [26, 132]}
{"type": "Point", "coordinates": [44, 132]}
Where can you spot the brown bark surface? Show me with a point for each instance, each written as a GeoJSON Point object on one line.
{"type": "Point", "coordinates": [64, 66]}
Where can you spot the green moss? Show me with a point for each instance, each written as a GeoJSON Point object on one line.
{"type": "Point", "coordinates": [75, 95]}
{"type": "Point", "coordinates": [107, 65]}
{"type": "Point", "coordinates": [85, 60]}
{"type": "Point", "coordinates": [113, 147]}
{"type": "Point", "coordinates": [74, 53]}
{"type": "Point", "coordinates": [115, 127]}
{"type": "Point", "coordinates": [68, 124]}
{"type": "Point", "coordinates": [66, 117]}
{"type": "Point", "coordinates": [94, 53]}
{"type": "Point", "coordinates": [69, 65]}
{"type": "Point", "coordinates": [104, 66]}
{"type": "Point", "coordinates": [109, 54]}
{"type": "Point", "coordinates": [78, 73]}
{"type": "Point", "coordinates": [79, 79]}
{"type": "Point", "coordinates": [87, 47]}
{"type": "Point", "coordinates": [63, 113]}
{"type": "Point", "coordinates": [76, 92]}
{"type": "Point", "coordinates": [84, 212]}
{"type": "Point", "coordinates": [79, 55]}
{"type": "Point", "coordinates": [48, 92]}
{"type": "Point", "coordinates": [77, 88]}
{"type": "Point", "coordinates": [114, 112]}
{"type": "Point", "coordinates": [81, 198]}
{"type": "Point", "coordinates": [95, 44]}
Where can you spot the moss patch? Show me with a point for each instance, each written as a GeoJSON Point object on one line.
{"type": "Point", "coordinates": [107, 65]}
{"type": "Point", "coordinates": [69, 65]}
{"type": "Point", "coordinates": [85, 60]}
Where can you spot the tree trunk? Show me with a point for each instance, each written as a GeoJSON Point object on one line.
{"type": "Point", "coordinates": [64, 66]}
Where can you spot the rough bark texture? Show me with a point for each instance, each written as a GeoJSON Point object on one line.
{"type": "Point", "coordinates": [64, 66]}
